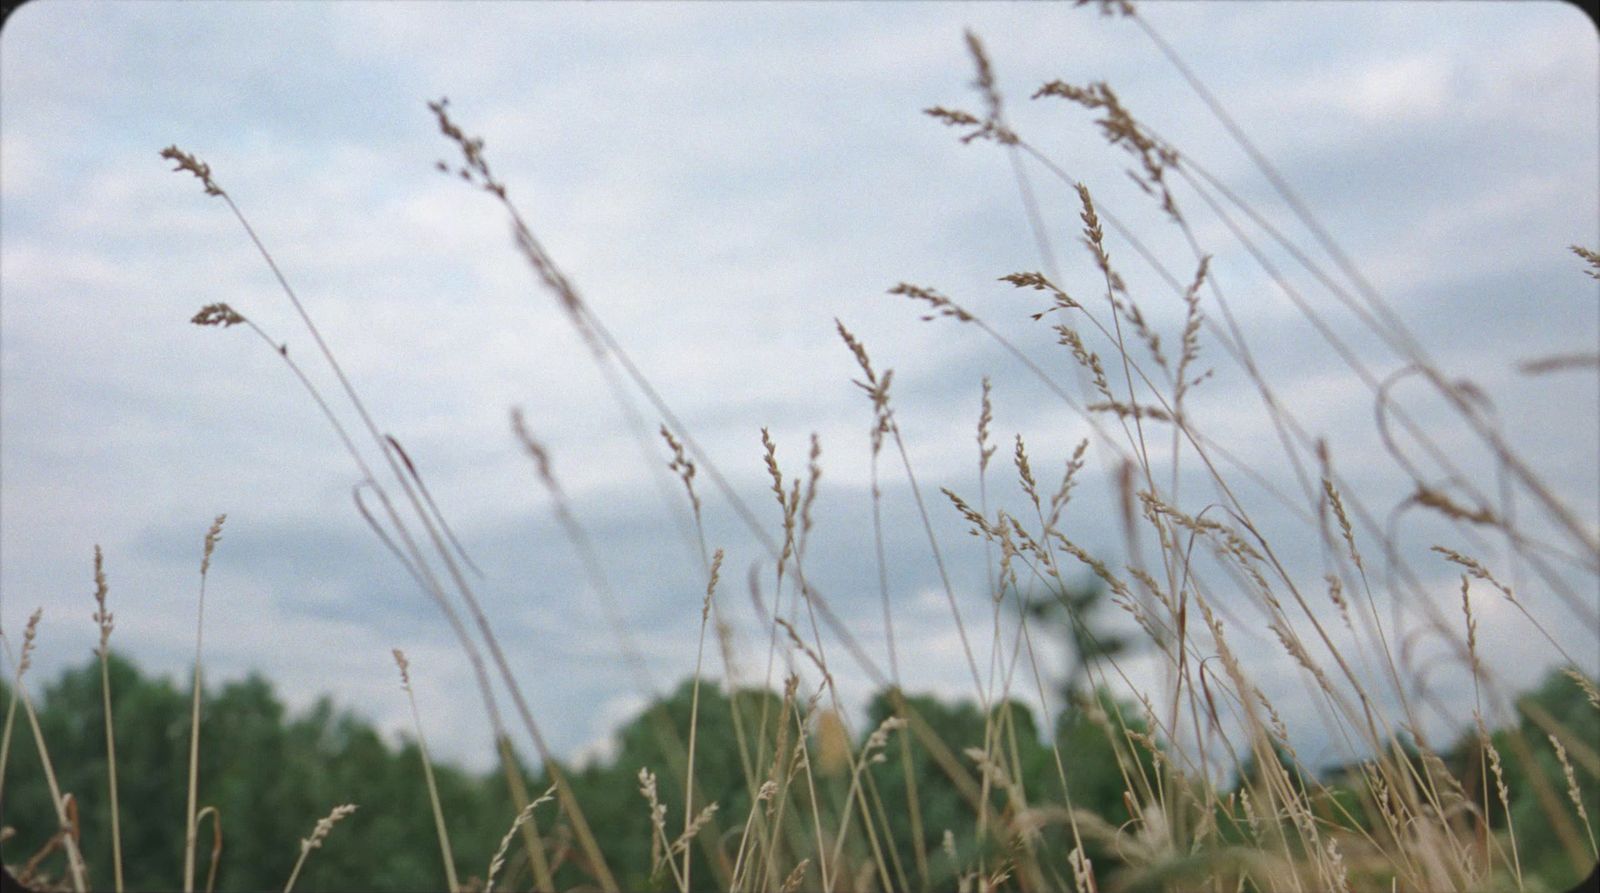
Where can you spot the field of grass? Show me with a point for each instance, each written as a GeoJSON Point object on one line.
{"type": "Point", "coordinates": [1087, 780]}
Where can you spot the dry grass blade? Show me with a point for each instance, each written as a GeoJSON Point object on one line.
{"type": "Point", "coordinates": [1560, 363]}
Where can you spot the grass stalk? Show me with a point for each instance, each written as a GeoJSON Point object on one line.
{"type": "Point", "coordinates": [411, 556]}
{"type": "Point", "coordinates": [69, 841]}
{"type": "Point", "coordinates": [216, 845]}
{"type": "Point", "coordinates": [694, 713]}
{"type": "Point", "coordinates": [451, 884]}
{"type": "Point", "coordinates": [191, 819]}
{"type": "Point", "coordinates": [104, 620]}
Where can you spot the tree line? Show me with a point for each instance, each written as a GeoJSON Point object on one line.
{"type": "Point", "coordinates": [271, 775]}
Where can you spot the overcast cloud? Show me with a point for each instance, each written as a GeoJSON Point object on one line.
{"type": "Point", "coordinates": [721, 181]}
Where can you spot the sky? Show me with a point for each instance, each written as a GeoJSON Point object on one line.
{"type": "Point", "coordinates": [722, 182]}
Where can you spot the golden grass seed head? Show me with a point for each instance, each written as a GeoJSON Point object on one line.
{"type": "Point", "coordinates": [1082, 871]}
{"type": "Point", "coordinates": [102, 618]}
{"type": "Point", "coordinates": [1296, 648]}
{"type": "Point", "coordinates": [1190, 340]}
{"type": "Point", "coordinates": [1135, 317]}
{"type": "Point", "coordinates": [833, 744]}
{"type": "Point", "coordinates": [702, 819]}
{"type": "Point", "coordinates": [985, 416]}
{"type": "Point", "coordinates": [877, 389]}
{"type": "Point", "coordinates": [683, 466]}
{"type": "Point", "coordinates": [1059, 499]}
{"type": "Point", "coordinates": [1472, 627]}
{"type": "Point", "coordinates": [1279, 730]}
{"type": "Point", "coordinates": [1118, 587]}
{"type": "Point", "coordinates": [980, 525]}
{"type": "Point", "coordinates": [857, 348]}
{"type": "Point", "coordinates": [213, 535]}
{"type": "Point", "coordinates": [217, 315]}
{"type": "Point", "coordinates": [29, 634]}
{"type": "Point", "coordinates": [770, 457]}
{"type": "Point", "coordinates": [985, 82]}
{"type": "Point", "coordinates": [1332, 494]}
{"type": "Point", "coordinates": [1093, 235]}
{"type": "Point", "coordinates": [1336, 595]}
{"type": "Point", "coordinates": [813, 476]}
{"type": "Point", "coordinates": [769, 789]}
{"type": "Point", "coordinates": [1149, 582]}
{"type": "Point", "coordinates": [1430, 498]}
{"type": "Point", "coordinates": [880, 736]}
{"type": "Point", "coordinates": [1475, 569]}
{"type": "Point", "coordinates": [1451, 795]}
{"type": "Point", "coordinates": [794, 638]}
{"type": "Point", "coordinates": [711, 584]}
{"type": "Point", "coordinates": [534, 449]}
{"type": "Point", "coordinates": [787, 504]}
{"type": "Point", "coordinates": [991, 126]}
{"type": "Point", "coordinates": [658, 815]}
{"type": "Point", "coordinates": [522, 818]}
{"type": "Point", "coordinates": [1589, 689]}
{"type": "Point", "coordinates": [796, 877]}
{"type": "Point", "coordinates": [1038, 282]}
{"type": "Point", "coordinates": [1034, 280]}
{"type": "Point", "coordinates": [1069, 338]}
{"type": "Point", "coordinates": [1019, 457]}
{"type": "Point", "coordinates": [193, 165]}
{"type": "Point", "coordinates": [1008, 571]}
{"type": "Point", "coordinates": [1592, 257]}
{"type": "Point", "coordinates": [476, 169]}
{"type": "Point", "coordinates": [941, 304]}
{"type": "Point", "coordinates": [405, 668]}
{"type": "Point", "coordinates": [952, 117]}
{"type": "Point", "coordinates": [1130, 410]}
{"type": "Point", "coordinates": [324, 826]}
{"type": "Point", "coordinates": [1120, 128]}
{"type": "Point", "coordinates": [1573, 793]}
{"type": "Point", "coordinates": [1501, 790]}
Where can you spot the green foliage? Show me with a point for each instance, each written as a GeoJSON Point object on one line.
{"type": "Point", "coordinates": [942, 805]}
{"type": "Point", "coordinates": [273, 775]}
{"type": "Point", "coordinates": [1552, 842]}
{"type": "Point", "coordinates": [657, 740]}
{"type": "Point", "coordinates": [270, 776]}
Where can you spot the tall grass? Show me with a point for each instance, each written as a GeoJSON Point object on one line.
{"type": "Point", "coordinates": [1214, 794]}
{"type": "Point", "coordinates": [105, 620]}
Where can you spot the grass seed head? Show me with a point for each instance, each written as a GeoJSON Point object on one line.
{"type": "Point", "coordinates": [325, 825]}
{"type": "Point", "coordinates": [29, 634]}
{"type": "Point", "coordinates": [193, 165]}
{"type": "Point", "coordinates": [217, 315]}
{"type": "Point", "coordinates": [212, 536]}
{"type": "Point", "coordinates": [102, 617]}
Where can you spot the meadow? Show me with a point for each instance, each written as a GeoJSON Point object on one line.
{"type": "Point", "coordinates": [1150, 757]}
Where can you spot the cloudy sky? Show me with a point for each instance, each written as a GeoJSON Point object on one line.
{"type": "Point", "coordinates": [722, 181]}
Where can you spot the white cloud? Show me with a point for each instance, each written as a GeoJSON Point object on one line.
{"type": "Point", "coordinates": [720, 188]}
